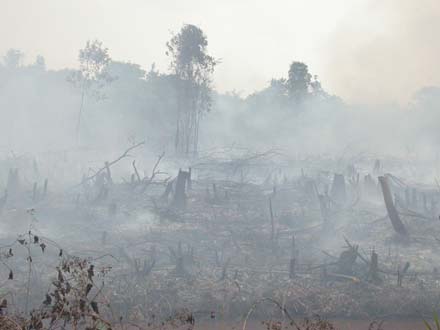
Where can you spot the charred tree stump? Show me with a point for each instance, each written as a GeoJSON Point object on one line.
{"type": "Point", "coordinates": [397, 224]}
{"type": "Point", "coordinates": [179, 199]}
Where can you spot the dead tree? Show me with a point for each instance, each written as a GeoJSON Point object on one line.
{"type": "Point", "coordinates": [179, 198]}
{"type": "Point", "coordinates": [397, 224]}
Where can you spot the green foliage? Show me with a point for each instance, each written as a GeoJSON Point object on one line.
{"type": "Point", "coordinates": [192, 67]}
{"type": "Point", "coordinates": [299, 81]}
{"type": "Point", "coordinates": [436, 323]}
{"type": "Point", "coordinates": [188, 50]}
{"type": "Point", "coordinates": [93, 73]}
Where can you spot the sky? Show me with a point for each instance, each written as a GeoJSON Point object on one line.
{"type": "Point", "coordinates": [369, 51]}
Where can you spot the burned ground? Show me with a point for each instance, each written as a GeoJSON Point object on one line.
{"type": "Point", "coordinates": [226, 236]}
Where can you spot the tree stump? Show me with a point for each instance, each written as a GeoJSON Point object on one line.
{"type": "Point", "coordinates": [397, 224]}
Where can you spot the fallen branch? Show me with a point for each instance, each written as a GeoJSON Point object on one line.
{"type": "Point", "coordinates": [125, 154]}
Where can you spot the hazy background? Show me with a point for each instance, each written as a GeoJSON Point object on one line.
{"type": "Point", "coordinates": [377, 62]}
{"type": "Point", "coordinates": [371, 51]}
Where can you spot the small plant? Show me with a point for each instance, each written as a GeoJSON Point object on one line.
{"type": "Point", "coordinates": [436, 323]}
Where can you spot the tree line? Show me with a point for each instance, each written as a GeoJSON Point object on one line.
{"type": "Point", "coordinates": [173, 102]}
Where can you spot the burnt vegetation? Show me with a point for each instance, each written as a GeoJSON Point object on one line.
{"type": "Point", "coordinates": [143, 212]}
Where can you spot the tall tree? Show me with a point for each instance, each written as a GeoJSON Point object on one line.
{"type": "Point", "coordinates": [193, 68]}
{"type": "Point", "coordinates": [299, 81]}
{"type": "Point", "coordinates": [92, 75]}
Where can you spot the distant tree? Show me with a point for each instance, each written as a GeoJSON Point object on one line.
{"type": "Point", "coordinates": [153, 73]}
{"type": "Point", "coordinates": [40, 62]}
{"type": "Point", "coordinates": [272, 97]}
{"type": "Point", "coordinates": [92, 75]}
{"type": "Point", "coordinates": [193, 68]}
{"type": "Point", "coordinates": [279, 90]}
{"type": "Point", "coordinates": [13, 58]}
{"type": "Point", "coordinates": [299, 81]}
{"type": "Point", "coordinates": [317, 91]}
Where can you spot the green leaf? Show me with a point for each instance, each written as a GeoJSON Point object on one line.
{"type": "Point", "coordinates": [437, 323]}
{"type": "Point", "coordinates": [427, 326]}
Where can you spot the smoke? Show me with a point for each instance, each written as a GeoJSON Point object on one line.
{"type": "Point", "coordinates": [384, 51]}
